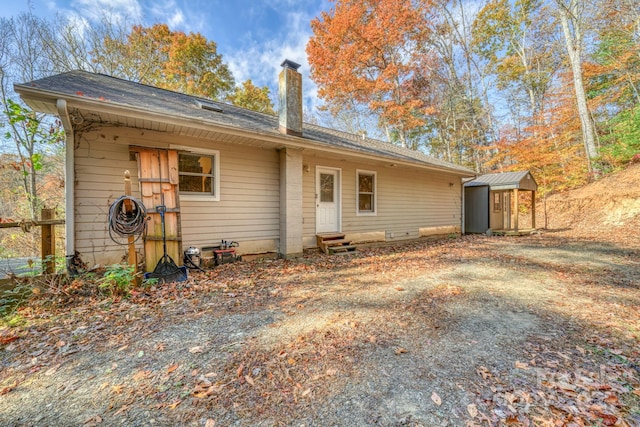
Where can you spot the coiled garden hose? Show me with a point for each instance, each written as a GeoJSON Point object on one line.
{"type": "Point", "coordinates": [125, 223]}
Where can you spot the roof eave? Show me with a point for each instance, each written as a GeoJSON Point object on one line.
{"type": "Point", "coordinates": [32, 96]}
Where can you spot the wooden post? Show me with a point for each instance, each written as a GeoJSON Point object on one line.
{"type": "Point", "coordinates": [128, 207]}
{"type": "Point", "coordinates": [533, 210]}
{"type": "Point", "coordinates": [509, 225]}
{"type": "Point", "coordinates": [515, 208]}
{"type": "Point", "coordinates": [48, 242]}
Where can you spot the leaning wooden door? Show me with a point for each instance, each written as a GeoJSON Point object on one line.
{"type": "Point", "coordinates": [158, 177]}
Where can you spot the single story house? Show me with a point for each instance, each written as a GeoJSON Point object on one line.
{"type": "Point", "coordinates": [492, 201]}
{"type": "Point", "coordinates": [271, 183]}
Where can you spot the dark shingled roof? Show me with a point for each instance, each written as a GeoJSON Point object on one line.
{"type": "Point", "coordinates": [140, 97]}
{"type": "Point", "coordinates": [502, 181]}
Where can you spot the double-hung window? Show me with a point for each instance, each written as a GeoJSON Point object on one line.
{"type": "Point", "coordinates": [199, 175]}
{"type": "Point", "coordinates": [366, 184]}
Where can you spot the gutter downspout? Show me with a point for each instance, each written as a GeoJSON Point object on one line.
{"type": "Point", "coordinates": [69, 178]}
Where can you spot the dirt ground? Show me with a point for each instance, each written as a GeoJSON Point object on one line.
{"type": "Point", "coordinates": [538, 330]}
{"type": "Point", "coordinates": [606, 210]}
{"type": "Point", "coordinates": [474, 330]}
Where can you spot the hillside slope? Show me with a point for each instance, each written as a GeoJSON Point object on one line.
{"type": "Point", "coordinates": [608, 209]}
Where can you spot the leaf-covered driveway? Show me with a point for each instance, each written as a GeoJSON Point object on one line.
{"type": "Point", "coordinates": [541, 330]}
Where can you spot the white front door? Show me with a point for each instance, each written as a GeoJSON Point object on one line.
{"type": "Point", "coordinates": [327, 200]}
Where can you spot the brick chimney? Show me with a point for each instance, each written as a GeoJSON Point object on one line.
{"type": "Point", "coordinates": [290, 89]}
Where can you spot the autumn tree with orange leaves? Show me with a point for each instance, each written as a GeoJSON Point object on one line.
{"type": "Point", "coordinates": [373, 53]}
{"type": "Point", "coordinates": [549, 146]}
{"type": "Point", "coordinates": [158, 56]}
{"type": "Point", "coordinates": [410, 65]}
{"type": "Point", "coordinates": [252, 97]}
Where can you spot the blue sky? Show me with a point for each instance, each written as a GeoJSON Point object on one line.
{"type": "Point", "coordinates": [254, 36]}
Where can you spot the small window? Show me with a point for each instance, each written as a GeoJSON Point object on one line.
{"type": "Point", "coordinates": [197, 174]}
{"type": "Point", "coordinates": [496, 202]}
{"type": "Point", "coordinates": [366, 192]}
{"type": "Point", "coordinates": [327, 187]}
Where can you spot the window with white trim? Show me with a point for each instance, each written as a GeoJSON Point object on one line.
{"type": "Point", "coordinates": [366, 185]}
{"type": "Point", "coordinates": [198, 174]}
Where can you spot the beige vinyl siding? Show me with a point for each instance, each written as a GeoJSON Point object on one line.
{"type": "Point", "coordinates": [249, 207]}
{"type": "Point", "coordinates": [99, 172]}
{"type": "Point", "coordinates": [408, 199]}
{"type": "Point", "coordinates": [248, 210]}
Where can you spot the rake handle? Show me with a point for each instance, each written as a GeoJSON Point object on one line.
{"type": "Point", "coordinates": [162, 209]}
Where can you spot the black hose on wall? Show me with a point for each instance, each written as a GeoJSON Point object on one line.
{"type": "Point", "coordinates": [125, 224]}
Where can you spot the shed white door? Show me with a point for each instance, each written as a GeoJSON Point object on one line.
{"type": "Point", "coordinates": [327, 200]}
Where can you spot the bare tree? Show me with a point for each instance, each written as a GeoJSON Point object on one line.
{"type": "Point", "coordinates": [29, 134]}
{"type": "Point", "coordinates": [572, 19]}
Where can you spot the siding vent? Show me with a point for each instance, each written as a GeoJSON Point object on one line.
{"type": "Point", "coordinates": [209, 106]}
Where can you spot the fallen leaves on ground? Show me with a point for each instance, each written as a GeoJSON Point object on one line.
{"type": "Point", "coordinates": [436, 398]}
{"type": "Point", "coordinates": [564, 388]}
{"type": "Point", "coordinates": [575, 379]}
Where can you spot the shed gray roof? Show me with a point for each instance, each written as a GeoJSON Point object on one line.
{"type": "Point", "coordinates": [111, 91]}
{"type": "Point", "coordinates": [505, 181]}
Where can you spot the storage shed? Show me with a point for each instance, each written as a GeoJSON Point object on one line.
{"type": "Point", "coordinates": [492, 200]}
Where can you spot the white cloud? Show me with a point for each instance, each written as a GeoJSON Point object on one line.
{"type": "Point", "coordinates": [118, 10]}
{"type": "Point", "coordinates": [78, 24]}
{"type": "Point", "coordinates": [170, 13]}
{"type": "Point", "coordinates": [258, 56]}
{"type": "Point", "coordinates": [260, 61]}
{"type": "Point", "coordinates": [176, 19]}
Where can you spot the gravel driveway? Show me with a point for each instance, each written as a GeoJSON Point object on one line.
{"type": "Point", "coordinates": [469, 331]}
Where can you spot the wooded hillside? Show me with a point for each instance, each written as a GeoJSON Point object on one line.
{"type": "Point", "coordinates": [549, 86]}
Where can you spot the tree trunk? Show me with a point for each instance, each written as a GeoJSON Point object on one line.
{"type": "Point", "coordinates": [570, 18]}
{"type": "Point", "coordinates": [34, 193]}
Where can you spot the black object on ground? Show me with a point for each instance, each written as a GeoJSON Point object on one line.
{"type": "Point", "coordinates": [166, 270]}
